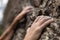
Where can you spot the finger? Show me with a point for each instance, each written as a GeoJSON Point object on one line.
{"type": "Point", "coordinates": [28, 30]}
{"type": "Point", "coordinates": [39, 17]}
{"type": "Point", "coordinates": [46, 23]}
{"type": "Point", "coordinates": [43, 19]}
{"type": "Point", "coordinates": [29, 7]}
{"type": "Point", "coordinates": [36, 19]}
{"type": "Point", "coordinates": [28, 11]}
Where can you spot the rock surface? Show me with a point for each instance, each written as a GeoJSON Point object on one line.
{"type": "Point", "coordinates": [41, 7]}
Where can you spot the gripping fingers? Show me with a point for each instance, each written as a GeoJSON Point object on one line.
{"type": "Point", "coordinates": [36, 19]}
{"type": "Point", "coordinates": [28, 9]}
{"type": "Point", "coordinates": [46, 23]}
{"type": "Point", "coordinates": [43, 19]}
{"type": "Point", "coordinates": [39, 17]}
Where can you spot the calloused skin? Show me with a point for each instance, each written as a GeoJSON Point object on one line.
{"type": "Point", "coordinates": [33, 32]}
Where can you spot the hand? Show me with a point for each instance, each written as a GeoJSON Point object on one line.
{"type": "Point", "coordinates": [15, 22]}
{"type": "Point", "coordinates": [38, 25]}
{"type": "Point", "coordinates": [27, 9]}
{"type": "Point", "coordinates": [24, 11]}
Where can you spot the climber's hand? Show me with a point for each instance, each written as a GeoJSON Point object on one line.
{"type": "Point", "coordinates": [27, 9]}
{"type": "Point", "coordinates": [24, 11]}
{"type": "Point", "coordinates": [38, 25]}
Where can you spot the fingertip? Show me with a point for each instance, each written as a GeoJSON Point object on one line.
{"type": "Point", "coordinates": [52, 19]}
{"type": "Point", "coordinates": [47, 22]}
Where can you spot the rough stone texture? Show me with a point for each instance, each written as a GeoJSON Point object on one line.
{"type": "Point", "coordinates": [41, 7]}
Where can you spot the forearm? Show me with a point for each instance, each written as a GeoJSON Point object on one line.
{"type": "Point", "coordinates": [12, 26]}
{"type": "Point", "coordinates": [15, 21]}
{"type": "Point", "coordinates": [9, 36]}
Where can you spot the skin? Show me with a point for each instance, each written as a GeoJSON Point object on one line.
{"type": "Point", "coordinates": [33, 32]}
{"type": "Point", "coordinates": [36, 28]}
{"type": "Point", "coordinates": [7, 34]}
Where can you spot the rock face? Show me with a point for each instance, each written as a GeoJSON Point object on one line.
{"type": "Point", "coordinates": [41, 7]}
